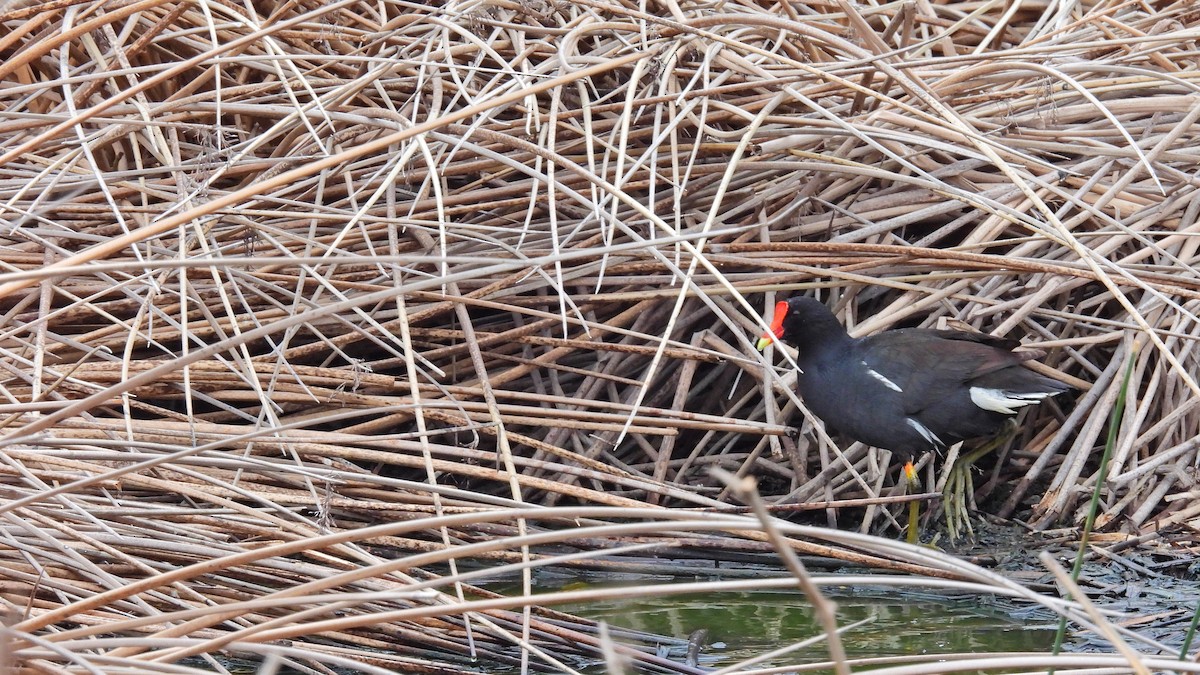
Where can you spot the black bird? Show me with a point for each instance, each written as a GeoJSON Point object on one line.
{"type": "Point", "coordinates": [908, 390]}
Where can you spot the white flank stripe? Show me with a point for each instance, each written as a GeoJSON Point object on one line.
{"type": "Point", "coordinates": [883, 378]}
{"type": "Point", "coordinates": [1006, 402]}
{"type": "Point", "coordinates": [924, 431]}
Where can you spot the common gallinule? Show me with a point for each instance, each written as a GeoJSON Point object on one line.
{"type": "Point", "coordinates": [908, 390]}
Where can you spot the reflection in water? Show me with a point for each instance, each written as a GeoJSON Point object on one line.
{"type": "Point", "coordinates": [743, 625]}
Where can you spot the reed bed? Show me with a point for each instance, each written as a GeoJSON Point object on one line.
{"type": "Point", "coordinates": [317, 315]}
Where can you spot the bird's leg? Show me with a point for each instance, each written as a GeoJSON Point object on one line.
{"type": "Point", "coordinates": [959, 485]}
{"type": "Point", "coordinates": [913, 483]}
{"type": "Point", "coordinates": [948, 485]}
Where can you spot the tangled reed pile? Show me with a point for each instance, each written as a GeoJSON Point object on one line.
{"type": "Point", "coordinates": [304, 301]}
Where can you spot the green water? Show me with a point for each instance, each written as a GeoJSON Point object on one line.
{"type": "Point", "coordinates": [744, 625]}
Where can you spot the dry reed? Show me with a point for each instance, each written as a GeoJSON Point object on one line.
{"type": "Point", "coordinates": [307, 306]}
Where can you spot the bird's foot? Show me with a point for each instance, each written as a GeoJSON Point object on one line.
{"type": "Point", "coordinates": [958, 491]}
{"type": "Point", "coordinates": [958, 499]}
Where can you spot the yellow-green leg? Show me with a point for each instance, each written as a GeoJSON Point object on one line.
{"type": "Point", "coordinates": [914, 507]}
{"type": "Point", "coordinates": [959, 484]}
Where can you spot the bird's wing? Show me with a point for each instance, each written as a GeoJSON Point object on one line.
{"type": "Point", "coordinates": [920, 364]}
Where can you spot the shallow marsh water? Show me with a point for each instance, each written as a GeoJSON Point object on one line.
{"type": "Point", "coordinates": [746, 624]}
{"type": "Point", "coordinates": [742, 625]}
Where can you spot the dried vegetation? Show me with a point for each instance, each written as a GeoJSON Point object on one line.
{"type": "Point", "coordinates": [311, 308]}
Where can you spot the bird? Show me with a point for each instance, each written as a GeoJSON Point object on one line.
{"type": "Point", "coordinates": [908, 390]}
